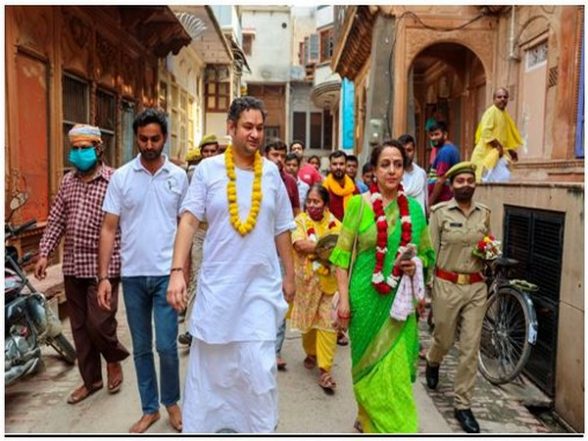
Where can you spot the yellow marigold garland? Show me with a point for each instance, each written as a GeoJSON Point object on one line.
{"type": "Point", "coordinates": [243, 228]}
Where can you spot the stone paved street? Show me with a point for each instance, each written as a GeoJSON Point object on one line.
{"type": "Point", "coordinates": [37, 404]}
{"type": "Point", "coordinates": [494, 407]}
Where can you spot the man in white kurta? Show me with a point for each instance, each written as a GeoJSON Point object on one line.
{"type": "Point", "coordinates": [414, 179]}
{"type": "Point", "coordinates": [231, 380]}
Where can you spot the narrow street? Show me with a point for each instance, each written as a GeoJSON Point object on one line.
{"type": "Point", "coordinates": [37, 404]}
{"type": "Point", "coordinates": [500, 86]}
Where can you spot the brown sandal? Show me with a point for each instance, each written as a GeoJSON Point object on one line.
{"type": "Point", "coordinates": [82, 392]}
{"type": "Point", "coordinates": [309, 362]}
{"type": "Point", "coordinates": [115, 377]}
{"type": "Point", "coordinates": [327, 382]}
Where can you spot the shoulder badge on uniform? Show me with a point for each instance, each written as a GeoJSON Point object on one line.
{"type": "Point", "coordinates": [438, 205]}
{"type": "Point", "coordinates": [485, 207]}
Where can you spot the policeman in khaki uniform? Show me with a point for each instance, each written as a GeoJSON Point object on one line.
{"type": "Point", "coordinates": [459, 292]}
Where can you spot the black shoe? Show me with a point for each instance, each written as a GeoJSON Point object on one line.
{"type": "Point", "coordinates": [185, 339]}
{"type": "Point", "coordinates": [467, 421]}
{"type": "Point", "coordinates": [432, 376]}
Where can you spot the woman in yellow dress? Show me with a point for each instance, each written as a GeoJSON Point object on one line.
{"type": "Point", "coordinates": [315, 286]}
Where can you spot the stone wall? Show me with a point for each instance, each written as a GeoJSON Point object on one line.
{"type": "Point", "coordinates": [569, 199]}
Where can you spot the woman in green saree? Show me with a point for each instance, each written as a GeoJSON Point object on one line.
{"type": "Point", "coordinates": [384, 351]}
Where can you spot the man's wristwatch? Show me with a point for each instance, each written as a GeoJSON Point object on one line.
{"type": "Point", "coordinates": [100, 279]}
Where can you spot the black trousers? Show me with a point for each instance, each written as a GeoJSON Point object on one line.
{"type": "Point", "coordinates": [93, 328]}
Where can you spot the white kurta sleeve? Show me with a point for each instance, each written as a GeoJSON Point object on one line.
{"type": "Point", "coordinates": [195, 200]}
{"type": "Point", "coordinates": [284, 215]}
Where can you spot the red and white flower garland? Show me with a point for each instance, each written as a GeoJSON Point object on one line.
{"type": "Point", "coordinates": [386, 285]}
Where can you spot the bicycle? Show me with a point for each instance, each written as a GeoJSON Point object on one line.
{"type": "Point", "coordinates": [509, 327]}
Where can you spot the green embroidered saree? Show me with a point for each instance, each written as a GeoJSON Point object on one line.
{"type": "Point", "coordinates": [384, 351]}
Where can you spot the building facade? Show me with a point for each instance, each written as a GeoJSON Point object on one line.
{"type": "Point", "coordinates": [411, 63]}
{"type": "Point", "coordinates": [266, 42]}
{"type": "Point", "coordinates": [188, 86]}
{"type": "Point", "coordinates": [315, 87]}
{"type": "Point", "coordinates": [224, 80]}
{"type": "Point", "coordinates": [74, 64]}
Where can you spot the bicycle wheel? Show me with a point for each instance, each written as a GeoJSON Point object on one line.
{"type": "Point", "coordinates": [504, 344]}
{"type": "Point", "coordinates": [63, 348]}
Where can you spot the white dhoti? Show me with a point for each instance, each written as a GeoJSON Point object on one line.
{"type": "Point", "coordinates": [231, 386]}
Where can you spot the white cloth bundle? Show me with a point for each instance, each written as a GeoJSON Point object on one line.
{"type": "Point", "coordinates": [409, 288]}
{"type": "Point", "coordinates": [500, 173]}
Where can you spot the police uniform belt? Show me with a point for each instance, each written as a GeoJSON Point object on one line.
{"type": "Point", "coordinates": [459, 278]}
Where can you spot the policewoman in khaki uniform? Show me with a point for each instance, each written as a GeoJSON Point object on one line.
{"type": "Point", "coordinates": [459, 292]}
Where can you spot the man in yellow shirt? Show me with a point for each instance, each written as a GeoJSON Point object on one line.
{"type": "Point", "coordinates": [497, 137]}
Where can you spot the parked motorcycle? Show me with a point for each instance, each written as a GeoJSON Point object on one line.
{"type": "Point", "coordinates": [28, 320]}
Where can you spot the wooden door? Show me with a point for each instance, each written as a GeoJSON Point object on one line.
{"type": "Point", "coordinates": [32, 152]}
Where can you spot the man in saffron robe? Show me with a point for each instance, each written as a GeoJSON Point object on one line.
{"type": "Point", "coordinates": [341, 187]}
{"type": "Point", "coordinates": [497, 137]}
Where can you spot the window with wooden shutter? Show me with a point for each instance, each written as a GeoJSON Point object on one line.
{"type": "Point", "coordinates": [301, 56]}
{"type": "Point", "coordinates": [270, 132]}
{"type": "Point", "coordinates": [129, 149]}
{"type": "Point", "coordinates": [299, 129]}
{"type": "Point", "coordinates": [314, 47]}
{"type": "Point", "coordinates": [535, 239]}
{"type": "Point", "coordinates": [326, 41]}
{"type": "Point", "coordinates": [75, 109]}
{"type": "Point", "coordinates": [316, 130]}
{"type": "Point", "coordinates": [106, 121]}
{"type": "Point", "coordinates": [247, 43]}
{"type": "Point", "coordinates": [218, 89]}
{"type": "Point", "coordinates": [328, 130]}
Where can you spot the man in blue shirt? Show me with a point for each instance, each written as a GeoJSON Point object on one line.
{"type": "Point", "coordinates": [447, 156]}
{"type": "Point", "coordinates": [351, 166]}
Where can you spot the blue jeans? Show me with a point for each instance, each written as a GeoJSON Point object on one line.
{"type": "Point", "coordinates": [144, 298]}
{"type": "Point", "coordinates": [280, 337]}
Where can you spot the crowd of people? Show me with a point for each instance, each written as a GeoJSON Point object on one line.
{"type": "Point", "coordinates": [234, 246]}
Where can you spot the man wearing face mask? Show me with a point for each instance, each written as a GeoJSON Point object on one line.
{"type": "Point", "coordinates": [459, 291]}
{"type": "Point", "coordinates": [76, 213]}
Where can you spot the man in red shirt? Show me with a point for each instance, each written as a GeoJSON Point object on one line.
{"type": "Point", "coordinates": [341, 187]}
{"type": "Point", "coordinates": [275, 151]}
{"type": "Point", "coordinates": [76, 214]}
{"type": "Point", "coordinates": [308, 172]}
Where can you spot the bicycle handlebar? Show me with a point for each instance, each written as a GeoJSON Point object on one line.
{"type": "Point", "coordinates": [15, 231]}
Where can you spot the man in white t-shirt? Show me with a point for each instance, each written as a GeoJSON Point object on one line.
{"type": "Point", "coordinates": [144, 197]}
{"type": "Point", "coordinates": [231, 383]}
{"type": "Point", "coordinates": [414, 179]}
